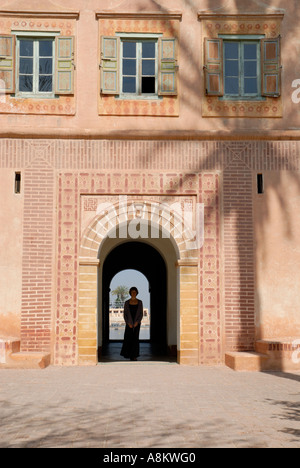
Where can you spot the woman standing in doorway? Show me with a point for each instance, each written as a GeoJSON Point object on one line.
{"type": "Point", "coordinates": [133, 315]}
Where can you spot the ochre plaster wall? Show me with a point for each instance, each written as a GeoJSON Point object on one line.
{"type": "Point", "coordinates": [277, 226]}
{"type": "Point", "coordinates": [11, 242]}
{"type": "Point", "coordinates": [248, 278]}
{"type": "Point", "coordinates": [79, 114]}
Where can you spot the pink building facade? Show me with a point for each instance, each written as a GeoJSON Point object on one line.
{"type": "Point", "coordinates": [164, 139]}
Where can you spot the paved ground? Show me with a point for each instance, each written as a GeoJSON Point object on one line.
{"type": "Point", "coordinates": [149, 405]}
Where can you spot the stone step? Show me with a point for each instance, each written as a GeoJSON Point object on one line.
{"type": "Point", "coordinates": [12, 358]}
{"type": "Point", "coordinates": [29, 360]}
{"type": "Point", "coordinates": [246, 361]}
{"type": "Point", "coordinates": [283, 353]}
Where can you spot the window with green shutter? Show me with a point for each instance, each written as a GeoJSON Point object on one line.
{"type": "Point", "coordinates": [7, 63]}
{"type": "Point", "coordinates": [64, 65]}
{"type": "Point", "coordinates": [168, 66]}
{"type": "Point", "coordinates": [138, 66]}
{"type": "Point", "coordinates": [242, 67]}
{"type": "Point", "coordinates": [37, 65]}
{"type": "Point", "coordinates": [109, 66]}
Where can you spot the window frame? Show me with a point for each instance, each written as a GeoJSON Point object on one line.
{"type": "Point", "coordinates": [243, 39]}
{"type": "Point", "coordinates": [139, 39]}
{"type": "Point", "coordinates": [35, 37]}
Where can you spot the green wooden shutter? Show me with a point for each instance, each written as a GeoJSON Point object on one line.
{"type": "Point", "coordinates": [168, 66]}
{"type": "Point", "coordinates": [64, 69]}
{"type": "Point", "coordinates": [213, 68]}
{"type": "Point", "coordinates": [7, 63]}
{"type": "Point", "coordinates": [110, 66]}
{"type": "Point", "coordinates": [270, 67]}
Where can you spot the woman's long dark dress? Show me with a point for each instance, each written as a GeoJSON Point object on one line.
{"type": "Point", "coordinates": [131, 344]}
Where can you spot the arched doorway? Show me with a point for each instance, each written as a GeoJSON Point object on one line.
{"type": "Point", "coordinates": [122, 224]}
{"type": "Point", "coordinates": [145, 258]}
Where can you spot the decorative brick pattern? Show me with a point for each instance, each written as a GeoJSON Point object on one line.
{"type": "Point", "coordinates": [151, 157]}
{"type": "Point", "coordinates": [67, 271]}
{"type": "Point", "coordinates": [98, 228]}
{"type": "Point", "coordinates": [38, 249]}
{"type": "Point", "coordinates": [239, 280]}
{"type": "Point", "coordinates": [104, 221]}
{"type": "Point", "coordinates": [209, 274]}
{"type": "Point", "coordinates": [70, 185]}
{"type": "Point", "coordinates": [68, 169]}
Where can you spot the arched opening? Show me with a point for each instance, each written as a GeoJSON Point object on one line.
{"type": "Point", "coordinates": [144, 258]}
{"type": "Point", "coordinates": [103, 253]}
{"type": "Point", "coordinates": [119, 292]}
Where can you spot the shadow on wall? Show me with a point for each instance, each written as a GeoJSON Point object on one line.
{"type": "Point", "coordinates": [271, 282]}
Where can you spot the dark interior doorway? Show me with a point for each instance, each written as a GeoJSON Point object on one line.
{"type": "Point", "coordinates": [144, 258]}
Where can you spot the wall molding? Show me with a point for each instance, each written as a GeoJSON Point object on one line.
{"type": "Point", "coordinates": [139, 15]}
{"type": "Point", "coordinates": [41, 14]}
{"type": "Point", "coordinates": [202, 15]}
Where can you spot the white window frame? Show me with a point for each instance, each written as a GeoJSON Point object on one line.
{"type": "Point", "coordinates": [139, 38]}
{"type": "Point", "coordinates": [38, 36]}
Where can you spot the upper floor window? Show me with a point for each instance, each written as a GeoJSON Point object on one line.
{"type": "Point", "coordinates": [242, 68]}
{"type": "Point", "coordinates": [35, 66]}
{"type": "Point", "coordinates": [139, 67]}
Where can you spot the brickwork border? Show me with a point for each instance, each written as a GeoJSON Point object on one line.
{"type": "Point", "coordinates": [171, 165]}
{"type": "Point", "coordinates": [188, 156]}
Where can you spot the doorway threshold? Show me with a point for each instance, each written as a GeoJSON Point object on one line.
{"type": "Point", "coordinates": [149, 354]}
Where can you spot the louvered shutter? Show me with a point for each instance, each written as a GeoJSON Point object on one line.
{"type": "Point", "coordinates": [7, 63]}
{"type": "Point", "coordinates": [110, 66]}
{"type": "Point", "coordinates": [213, 68]}
{"type": "Point", "coordinates": [168, 66]}
{"type": "Point", "coordinates": [270, 67]}
{"type": "Point", "coordinates": [64, 49]}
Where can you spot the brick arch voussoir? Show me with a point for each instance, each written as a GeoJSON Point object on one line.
{"type": "Point", "coordinates": [101, 226]}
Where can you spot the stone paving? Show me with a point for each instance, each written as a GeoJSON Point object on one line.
{"type": "Point", "coordinates": [148, 405]}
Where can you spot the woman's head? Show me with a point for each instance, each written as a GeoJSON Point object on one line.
{"type": "Point", "coordinates": [133, 290]}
